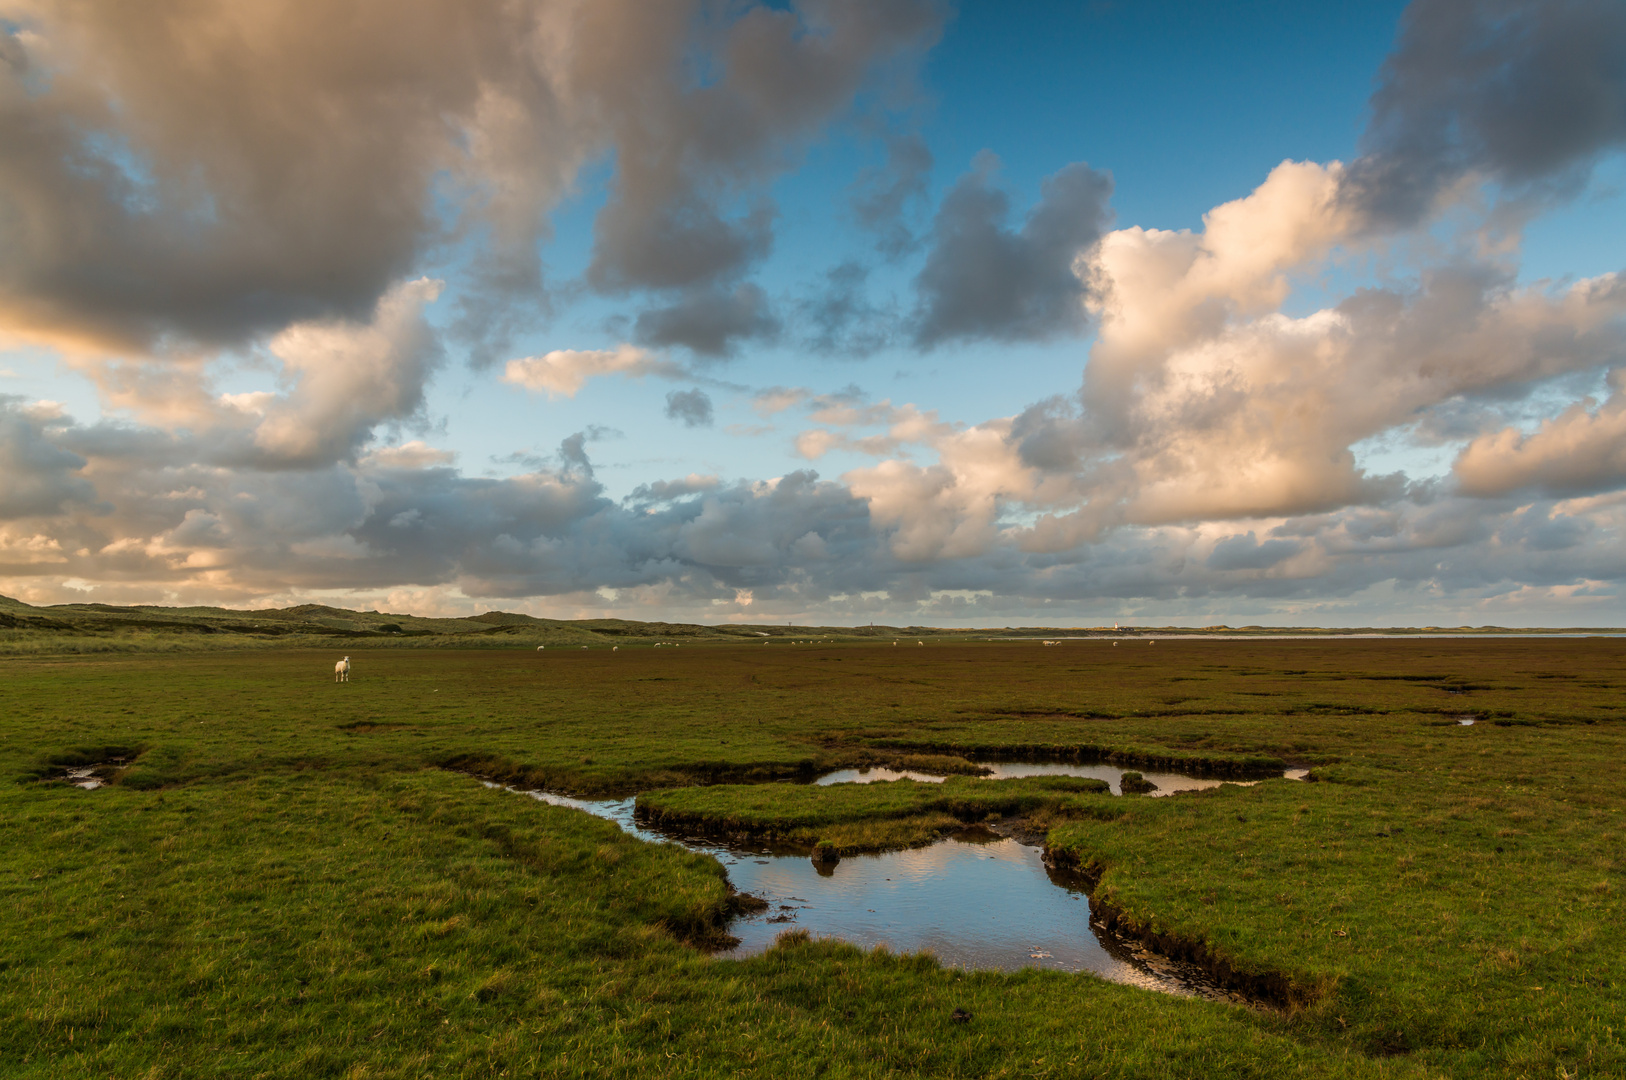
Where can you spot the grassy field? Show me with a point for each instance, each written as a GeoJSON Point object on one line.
{"type": "Point", "coordinates": [292, 879]}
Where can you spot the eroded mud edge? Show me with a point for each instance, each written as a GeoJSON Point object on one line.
{"type": "Point", "coordinates": [1246, 766]}
{"type": "Point", "coordinates": [1271, 989]}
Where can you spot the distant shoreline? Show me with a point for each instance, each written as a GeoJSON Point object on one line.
{"type": "Point", "coordinates": [315, 622]}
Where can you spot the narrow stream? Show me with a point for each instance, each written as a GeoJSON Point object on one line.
{"type": "Point", "coordinates": [975, 900]}
{"type": "Point", "coordinates": [1167, 782]}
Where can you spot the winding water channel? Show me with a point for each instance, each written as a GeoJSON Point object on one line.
{"type": "Point", "coordinates": [975, 900]}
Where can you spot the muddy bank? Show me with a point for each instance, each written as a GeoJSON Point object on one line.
{"type": "Point", "coordinates": [587, 778]}
{"type": "Point", "coordinates": [711, 935]}
{"type": "Point", "coordinates": [582, 781]}
{"type": "Point", "coordinates": [922, 831]}
{"type": "Point", "coordinates": [707, 930]}
{"type": "Point", "coordinates": [935, 764]}
{"type": "Point", "coordinates": [863, 818]}
{"type": "Point", "coordinates": [1273, 989]}
{"type": "Point", "coordinates": [1251, 766]}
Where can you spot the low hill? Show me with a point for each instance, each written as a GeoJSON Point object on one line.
{"type": "Point", "coordinates": [69, 628]}
{"type": "Point", "coordinates": [25, 628]}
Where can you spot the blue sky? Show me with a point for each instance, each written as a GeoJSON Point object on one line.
{"type": "Point", "coordinates": [823, 312]}
{"type": "Point", "coordinates": [1138, 90]}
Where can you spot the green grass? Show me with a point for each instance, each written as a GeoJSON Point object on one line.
{"type": "Point", "coordinates": [290, 881]}
{"type": "Point", "coordinates": [1461, 907]}
{"type": "Point", "coordinates": [866, 817]}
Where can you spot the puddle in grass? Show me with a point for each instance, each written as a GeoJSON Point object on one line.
{"type": "Point", "coordinates": [1167, 782]}
{"type": "Point", "coordinates": [84, 778]}
{"type": "Point", "coordinates": [974, 900]}
{"type": "Point", "coordinates": [95, 775]}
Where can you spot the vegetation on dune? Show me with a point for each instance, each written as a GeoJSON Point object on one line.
{"type": "Point", "coordinates": [80, 629]}
{"type": "Point", "coordinates": [283, 879]}
{"type": "Point", "coordinates": [72, 629]}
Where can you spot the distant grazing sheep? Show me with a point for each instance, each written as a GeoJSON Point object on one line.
{"type": "Point", "coordinates": [539, 648]}
{"type": "Point", "coordinates": [341, 670]}
{"type": "Point", "coordinates": [615, 648]}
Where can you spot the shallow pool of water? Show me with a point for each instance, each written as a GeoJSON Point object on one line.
{"type": "Point", "coordinates": [1167, 782]}
{"type": "Point", "coordinates": [975, 900]}
{"type": "Point", "coordinates": [875, 775]}
{"type": "Point", "coordinates": [84, 778]}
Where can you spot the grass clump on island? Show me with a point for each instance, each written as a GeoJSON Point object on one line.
{"type": "Point", "coordinates": [286, 881]}
{"type": "Point", "coordinates": [865, 817]}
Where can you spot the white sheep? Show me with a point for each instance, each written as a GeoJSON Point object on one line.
{"type": "Point", "coordinates": [539, 648]}
{"type": "Point", "coordinates": [341, 670]}
{"type": "Point", "coordinates": [615, 648]}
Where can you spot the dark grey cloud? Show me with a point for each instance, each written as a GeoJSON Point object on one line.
{"type": "Point", "coordinates": [498, 301]}
{"type": "Point", "coordinates": [536, 537]}
{"type": "Point", "coordinates": [574, 462]}
{"type": "Point", "coordinates": [669, 490]}
{"type": "Point", "coordinates": [37, 477]}
{"type": "Point", "coordinates": [693, 407]}
{"type": "Point", "coordinates": [154, 186]}
{"type": "Point", "coordinates": [1245, 552]}
{"type": "Point", "coordinates": [1539, 528]}
{"type": "Point", "coordinates": [1527, 92]}
{"type": "Point", "coordinates": [882, 198]}
{"type": "Point", "coordinates": [687, 149]}
{"type": "Point", "coordinates": [983, 280]}
{"type": "Point", "coordinates": [1050, 435]}
{"type": "Point", "coordinates": [841, 320]}
{"type": "Point", "coordinates": [674, 244]}
{"type": "Point", "coordinates": [573, 453]}
{"type": "Point", "coordinates": [710, 322]}
{"type": "Point", "coordinates": [168, 180]}
{"type": "Point", "coordinates": [152, 521]}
